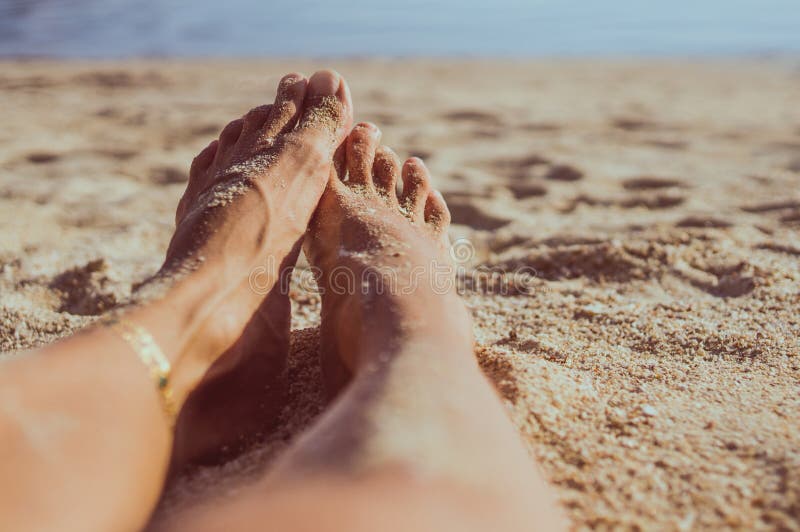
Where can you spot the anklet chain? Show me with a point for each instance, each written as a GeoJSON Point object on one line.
{"type": "Point", "coordinates": [141, 341]}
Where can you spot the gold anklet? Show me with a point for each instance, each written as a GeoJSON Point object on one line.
{"type": "Point", "coordinates": [151, 355]}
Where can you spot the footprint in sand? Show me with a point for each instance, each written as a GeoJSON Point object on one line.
{"type": "Point", "coordinates": [703, 222]}
{"type": "Point", "coordinates": [634, 260]}
{"type": "Point", "coordinates": [500, 371]}
{"type": "Point", "coordinates": [652, 183]}
{"type": "Point", "coordinates": [779, 248]}
{"type": "Point", "coordinates": [651, 200]}
{"type": "Point", "coordinates": [734, 280]}
{"type": "Point", "coordinates": [564, 172]}
{"type": "Point", "coordinates": [465, 211]}
{"type": "Point", "coordinates": [87, 290]}
{"type": "Point", "coordinates": [521, 174]}
{"type": "Point", "coordinates": [771, 206]}
{"type": "Point", "coordinates": [788, 210]}
{"type": "Point", "coordinates": [526, 190]}
{"type": "Point", "coordinates": [604, 261]}
{"type": "Point", "coordinates": [42, 157]}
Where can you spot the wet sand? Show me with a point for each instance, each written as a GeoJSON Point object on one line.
{"type": "Point", "coordinates": [653, 365]}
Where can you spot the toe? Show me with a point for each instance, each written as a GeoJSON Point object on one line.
{"type": "Point", "coordinates": [327, 110]}
{"type": "Point", "coordinates": [255, 119]}
{"type": "Point", "coordinates": [288, 105]}
{"type": "Point", "coordinates": [227, 139]}
{"type": "Point", "coordinates": [416, 184]}
{"type": "Point", "coordinates": [361, 145]}
{"type": "Point", "coordinates": [437, 215]}
{"type": "Point", "coordinates": [385, 170]}
{"type": "Point", "coordinates": [198, 177]}
{"type": "Point", "coordinates": [203, 160]}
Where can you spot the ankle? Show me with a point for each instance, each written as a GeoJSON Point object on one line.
{"type": "Point", "coordinates": [379, 328]}
{"type": "Point", "coordinates": [179, 313]}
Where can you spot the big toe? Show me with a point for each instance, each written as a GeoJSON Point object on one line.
{"type": "Point", "coordinates": [327, 108]}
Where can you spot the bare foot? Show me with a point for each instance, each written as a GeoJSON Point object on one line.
{"type": "Point", "coordinates": [418, 440]}
{"type": "Point", "coordinates": [239, 226]}
{"type": "Point", "coordinates": [382, 254]}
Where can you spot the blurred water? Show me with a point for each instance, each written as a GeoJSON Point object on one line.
{"type": "Point", "coordinates": [114, 28]}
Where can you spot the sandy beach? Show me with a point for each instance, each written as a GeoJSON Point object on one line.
{"type": "Point", "coordinates": [652, 366]}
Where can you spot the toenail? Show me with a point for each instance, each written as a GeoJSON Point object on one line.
{"type": "Point", "coordinates": [367, 125]}
{"type": "Point", "coordinates": [368, 132]}
{"type": "Point", "coordinates": [289, 83]}
{"type": "Point", "coordinates": [291, 77]}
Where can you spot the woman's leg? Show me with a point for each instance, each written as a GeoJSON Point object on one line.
{"type": "Point", "coordinates": [85, 442]}
{"type": "Point", "coordinates": [417, 440]}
